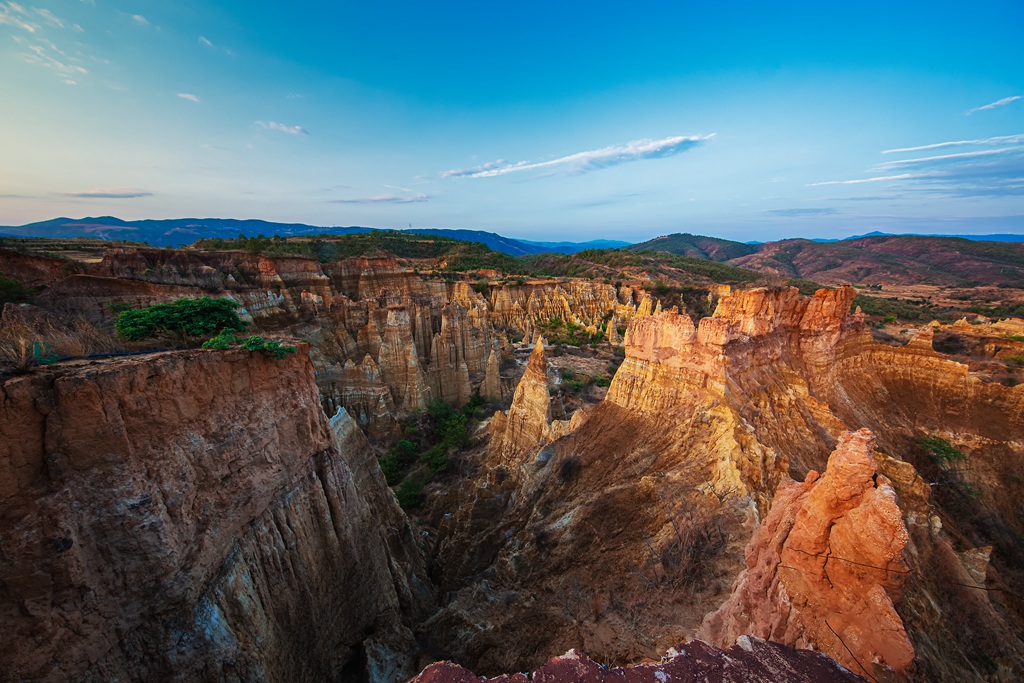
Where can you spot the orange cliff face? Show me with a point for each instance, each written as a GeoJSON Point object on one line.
{"type": "Point", "coordinates": [824, 568]}
{"type": "Point", "coordinates": [193, 515]}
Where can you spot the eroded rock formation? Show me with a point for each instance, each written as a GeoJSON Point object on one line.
{"type": "Point", "coordinates": [633, 522]}
{"type": "Point", "coordinates": [428, 339]}
{"type": "Point", "coordinates": [824, 568]}
{"type": "Point", "coordinates": [521, 432]}
{"type": "Point", "coordinates": [192, 516]}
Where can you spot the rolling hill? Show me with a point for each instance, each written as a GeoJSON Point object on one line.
{"type": "Point", "coordinates": [882, 259]}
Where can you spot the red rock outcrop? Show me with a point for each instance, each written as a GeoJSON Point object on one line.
{"type": "Point", "coordinates": [824, 568]}
{"type": "Point", "coordinates": [190, 516]}
{"type": "Point", "coordinates": [752, 660]}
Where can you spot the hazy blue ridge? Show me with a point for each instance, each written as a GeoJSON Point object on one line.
{"type": "Point", "coordinates": [177, 232]}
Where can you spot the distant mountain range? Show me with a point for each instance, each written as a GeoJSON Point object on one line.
{"type": "Point", "coordinates": [1003, 237]}
{"type": "Point", "coordinates": [181, 231]}
{"type": "Point", "coordinates": [876, 258]}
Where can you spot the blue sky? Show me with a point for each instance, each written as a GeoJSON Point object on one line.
{"type": "Point", "coordinates": [538, 120]}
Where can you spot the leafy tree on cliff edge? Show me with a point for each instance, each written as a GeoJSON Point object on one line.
{"type": "Point", "coordinates": [183, 319]}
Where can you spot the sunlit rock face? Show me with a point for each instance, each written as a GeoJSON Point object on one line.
{"type": "Point", "coordinates": [522, 431]}
{"type": "Point", "coordinates": [825, 566]}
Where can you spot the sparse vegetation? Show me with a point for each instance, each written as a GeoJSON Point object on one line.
{"type": "Point", "coordinates": [14, 292]}
{"type": "Point", "coordinates": [425, 453]}
{"type": "Point", "coordinates": [562, 332]}
{"type": "Point", "coordinates": [940, 450]}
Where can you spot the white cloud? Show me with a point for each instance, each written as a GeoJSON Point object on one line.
{"type": "Point", "coordinates": [203, 40]}
{"type": "Point", "coordinates": [49, 56]}
{"type": "Point", "coordinates": [977, 173]}
{"type": "Point", "coordinates": [877, 179]}
{"type": "Point", "coordinates": [998, 140]}
{"type": "Point", "coordinates": [189, 96]}
{"type": "Point", "coordinates": [948, 157]}
{"type": "Point", "coordinates": [291, 130]}
{"type": "Point", "coordinates": [139, 19]}
{"type": "Point", "coordinates": [998, 103]}
{"type": "Point", "coordinates": [109, 193]}
{"type": "Point", "coordinates": [50, 18]}
{"type": "Point", "coordinates": [592, 160]}
{"type": "Point", "coordinates": [8, 15]}
{"type": "Point", "coordinates": [385, 199]}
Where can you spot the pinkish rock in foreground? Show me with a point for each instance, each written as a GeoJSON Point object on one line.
{"type": "Point", "coordinates": [751, 660]}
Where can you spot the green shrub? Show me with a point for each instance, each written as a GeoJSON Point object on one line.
{"type": "Point", "coordinates": [410, 493]}
{"type": "Point", "coordinates": [436, 459]}
{"type": "Point", "coordinates": [183, 319]}
{"type": "Point", "coordinates": [574, 385]}
{"type": "Point", "coordinates": [272, 348]}
{"type": "Point", "coordinates": [12, 291]}
{"type": "Point", "coordinates": [939, 450]}
{"type": "Point", "coordinates": [601, 381]}
{"type": "Point", "coordinates": [223, 341]}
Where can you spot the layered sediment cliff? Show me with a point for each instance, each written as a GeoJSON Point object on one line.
{"type": "Point", "coordinates": [428, 339]}
{"type": "Point", "coordinates": [193, 516]}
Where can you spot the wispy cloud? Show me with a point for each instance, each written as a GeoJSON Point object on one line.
{"type": "Point", "coordinates": [190, 97]}
{"type": "Point", "coordinates": [797, 213]}
{"type": "Point", "coordinates": [14, 14]}
{"type": "Point", "coordinates": [994, 105]}
{"type": "Point", "coordinates": [47, 55]}
{"type": "Point", "coordinates": [858, 181]}
{"type": "Point", "coordinates": [49, 17]}
{"type": "Point", "coordinates": [865, 198]}
{"type": "Point", "coordinates": [203, 40]}
{"type": "Point", "coordinates": [585, 162]}
{"type": "Point", "coordinates": [948, 157]}
{"type": "Point", "coordinates": [109, 193]}
{"type": "Point", "coordinates": [997, 140]}
{"type": "Point", "coordinates": [384, 199]}
{"type": "Point", "coordinates": [291, 130]}
{"type": "Point", "coordinates": [139, 19]}
{"type": "Point", "coordinates": [976, 173]}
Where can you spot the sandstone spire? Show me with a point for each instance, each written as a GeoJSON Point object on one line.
{"type": "Point", "coordinates": [524, 429]}
{"type": "Point", "coordinates": [492, 377]}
